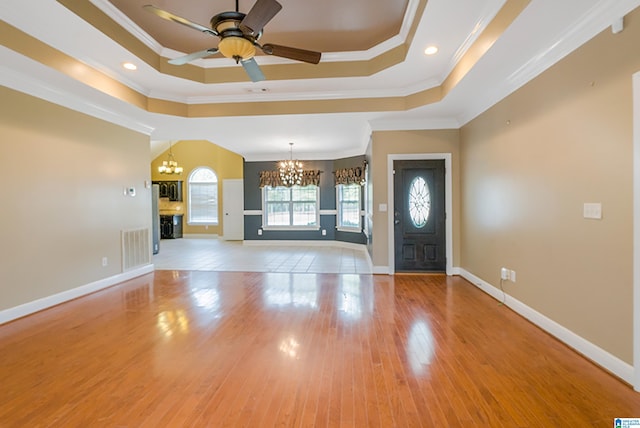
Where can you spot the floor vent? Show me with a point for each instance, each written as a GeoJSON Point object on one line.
{"type": "Point", "coordinates": [136, 248]}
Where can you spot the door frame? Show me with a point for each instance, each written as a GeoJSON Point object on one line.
{"type": "Point", "coordinates": [448, 204]}
{"type": "Point", "coordinates": [636, 230]}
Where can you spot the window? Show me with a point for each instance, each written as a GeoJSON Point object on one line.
{"type": "Point", "coordinates": [348, 203]}
{"type": "Point", "coordinates": [203, 196]}
{"type": "Point", "coordinates": [291, 207]}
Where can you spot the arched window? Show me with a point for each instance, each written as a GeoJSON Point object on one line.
{"type": "Point", "coordinates": [203, 196]}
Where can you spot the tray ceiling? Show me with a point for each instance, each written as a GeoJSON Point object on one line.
{"type": "Point", "coordinates": [373, 75]}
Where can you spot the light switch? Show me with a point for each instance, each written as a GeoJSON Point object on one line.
{"type": "Point", "coordinates": [382, 208]}
{"type": "Point", "coordinates": [593, 211]}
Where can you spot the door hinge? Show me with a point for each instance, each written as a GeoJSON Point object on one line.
{"type": "Point", "coordinates": [393, 172]}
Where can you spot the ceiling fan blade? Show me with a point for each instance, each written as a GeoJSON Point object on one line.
{"type": "Point", "coordinates": [253, 70]}
{"type": "Point", "coordinates": [303, 55]}
{"type": "Point", "coordinates": [193, 56]}
{"type": "Point", "coordinates": [175, 18]}
{"type": "Point", "coordinates": [261, 13]}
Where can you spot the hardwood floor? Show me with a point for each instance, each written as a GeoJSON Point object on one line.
{"type": "Point", "coordinates": [196, 348]}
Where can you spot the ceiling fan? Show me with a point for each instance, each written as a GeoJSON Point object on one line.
{"type": "Point", "coordinates": [239, 34]}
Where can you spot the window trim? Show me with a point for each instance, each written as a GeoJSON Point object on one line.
{"type": "Point", "coordinates": [216, 184]}
{"type": "Point", "coordinates": [351, 229]}
{"type": "Point", "coordinates": [290, 227]}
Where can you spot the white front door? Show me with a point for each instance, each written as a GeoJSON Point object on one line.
{"type": "Point", "coordinates": [233, 209]}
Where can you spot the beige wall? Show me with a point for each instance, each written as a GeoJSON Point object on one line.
{"type": "Point", "coordinates": [195, 153]}
{"type": "Point", "coordinates": [62, 197]}
{"type": "Point", "coordinates": [528, 166]}
{"type": "Point", "coordinates": [404, 142]}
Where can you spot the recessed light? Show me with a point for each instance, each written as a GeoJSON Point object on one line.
{"type": "Point", "coordinates": [129, 66]}
{"type": "Point", "coordinates": [431, 50]}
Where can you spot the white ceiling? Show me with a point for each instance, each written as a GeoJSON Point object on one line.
{"type": "Point", "coordinates": [542, 34]}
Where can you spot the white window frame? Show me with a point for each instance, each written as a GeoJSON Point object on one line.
{"type": "Point", "coordinates": [265, 226]}
{"type": "Point", "coordinates": [189, 199]}
{"type": "Point", "coordinates": [368, 203]}
{"type": "Point", "coordinates": [339, 226]}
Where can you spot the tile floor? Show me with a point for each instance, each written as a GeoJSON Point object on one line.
{"type": "Point", "coordinates": [220, 255]}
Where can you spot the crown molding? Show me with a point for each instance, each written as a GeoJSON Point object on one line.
{"type": "Point", "coordinates": [356, 150]}
{"type": "Point", "coordinates": [413, 124]}
{"type": "Point", "coordinates": [311, 156]}
{"type": "Point", "coordinates": [43, 89]}
{"type": "Point", "coordinates": [256, 96]}
{"type": "Point", "coordinates": [123, 20]}
{"type": "Point", "coordinates": [590, 24]}
{"type": "Point", "coordinates": [489, 13]}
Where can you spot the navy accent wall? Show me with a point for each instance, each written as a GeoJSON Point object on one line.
{"type": "Point", "coordinates": [253, 202]}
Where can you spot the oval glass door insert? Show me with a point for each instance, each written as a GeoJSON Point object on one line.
{"type": "Point", "coordinates": [419, 202]}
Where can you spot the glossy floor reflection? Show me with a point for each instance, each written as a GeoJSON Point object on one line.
{"type": "Point", "coordinates": [233, 256]}
{"type": "Point", "coordinates": [209, 349]}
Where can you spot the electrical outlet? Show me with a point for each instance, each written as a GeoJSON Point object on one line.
{"type": "Point", "coordinates": [504, 274]}
{"type": "Point", "coordinates": [324, 232]}
{"type": "Point", "coordinates": [512, 276]}
{"type": "Point", "coordinates": [105, 262]}
{"type": "Point", "coordinates": [259, 232]}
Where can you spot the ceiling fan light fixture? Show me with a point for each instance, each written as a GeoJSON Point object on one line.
{"type": "Point", "coordinates": [237, 47]}
{"type": "Point", "coordinates": [239, 34]}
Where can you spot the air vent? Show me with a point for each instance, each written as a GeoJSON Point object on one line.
{"type": "Point", "coordinates": [136, 248]}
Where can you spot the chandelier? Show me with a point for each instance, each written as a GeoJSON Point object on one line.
{"type": "Point", "coordinates": [170, 166]}
{"type": "Point", "coordinates": [290, 171]}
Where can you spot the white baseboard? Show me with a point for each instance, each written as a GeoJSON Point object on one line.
{"type": "Point", "coordinates": [29, 308]}
{"type": "Point", "coordinates": [369, 261]}
{"type": "Point", "coordinates": [380, 270]}
{"type": "Point", "coordinates": [301, 243]}
{"type": "Point", "coordinates": [200, 236]}
{"type": "Point", "coordinates": [384, 270]}
{"type": "Point", "coordinates": [598, 355]}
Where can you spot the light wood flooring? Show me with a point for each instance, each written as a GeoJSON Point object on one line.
{"type": "Point", "coordinates": [215, 349]}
